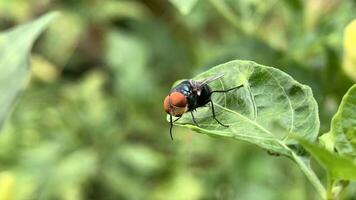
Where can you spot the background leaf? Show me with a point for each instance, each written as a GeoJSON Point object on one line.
{"type": "Point", "coordinates": [270, 107]}
{"type": "Point", "coordinates": [343, 126]}
{"type": "Point", "coordinates": [15, 46]}
{"type": "Point", "coordinates": [184, 6]}
{"type": "Point", "coordinates": [65, 43]}
{"type": "Point", "coordinates": [338, 166]}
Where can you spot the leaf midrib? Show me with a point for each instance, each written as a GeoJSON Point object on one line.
{"type": "Point", "coordinates": [246, 119]}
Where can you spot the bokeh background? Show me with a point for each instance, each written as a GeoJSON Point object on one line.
{"type": "Point", "coordinates": [90, 124]}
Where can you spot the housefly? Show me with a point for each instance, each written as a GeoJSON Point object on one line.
{"type": "Point", "coordinates": [189, 95]}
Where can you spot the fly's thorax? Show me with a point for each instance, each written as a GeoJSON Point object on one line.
{"type": "Point", "coordinates": [183, 87]}
{"type": "Point", "coordinates": [205, 96]}
{"type": "Point", "coordinates": [200, 95]}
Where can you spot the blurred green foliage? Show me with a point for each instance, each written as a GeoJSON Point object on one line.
{"type": "Point", "coordinates": [90, 124]}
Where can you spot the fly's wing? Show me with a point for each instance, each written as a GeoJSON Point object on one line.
{"type": "Point", "coordinates": [209, 79]}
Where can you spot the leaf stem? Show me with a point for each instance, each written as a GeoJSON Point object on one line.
{"type": "Point", "coordinates": [329, 186]}
{"type": "Point", "coordinates": [309, 173]}
{"type": "Point", "coordinates": [314, 180]}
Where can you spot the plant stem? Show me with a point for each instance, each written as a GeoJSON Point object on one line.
{"type": "Point", "coordinates": [309, 173]}
{"type": "Point", "coordinates": [314, 180]}
{"type": "Point", "coordinates": [329, 186]}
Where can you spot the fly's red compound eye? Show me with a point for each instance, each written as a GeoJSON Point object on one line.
{"type": "Point", "coordinates": [174, 103]}
{"type": "Point", "coordinates": [178, 99]}
{"type": "Point", "coordinates": [166, 104]}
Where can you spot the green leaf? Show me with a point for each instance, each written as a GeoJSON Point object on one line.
{"type": "Point", "coordinates": [338, 166]}
{"type": "Point", "coordinates": [267, 111]}
{"type": "Point", "coordinates": [59, 47]}
{"type": "Point", "coordinates": [327, 141]}
{"type": "Point", "coordinates": [15, 47]}
{"type": "Point", "coordinates": [184, 6]}
{"type": "Point", "coordinates": [127, 56]}
{"type": "Point", "coordinates": [343, 125]}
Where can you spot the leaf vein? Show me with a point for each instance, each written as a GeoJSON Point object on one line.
{"type": "Point", "coordinates": [289, 101]}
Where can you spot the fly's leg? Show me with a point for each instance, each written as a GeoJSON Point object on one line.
{"type": "Point", "coordinates": [195, 122]}
{"type": "Point", "coordinates": [170, 128]}
{"type": "Point", "coordinates": [212, 104]}
{"type": "Point", "coordinates": [228, 90]}
{"type": "Point", "coordinates": [177, 119]}
{"type": "Point", "coordinates": [213, 111]}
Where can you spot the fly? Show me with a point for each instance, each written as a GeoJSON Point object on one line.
{"type": "Point", "coordinates": [189, 95]}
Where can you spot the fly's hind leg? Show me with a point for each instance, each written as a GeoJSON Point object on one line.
{"type": "Point", "coordinates": [213, 111]}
